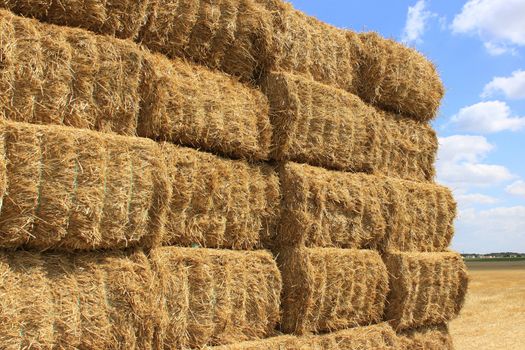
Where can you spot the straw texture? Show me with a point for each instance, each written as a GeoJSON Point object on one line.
{"type": "Point", "coordinates": [322, 208]}
{"type": "Point", "coordinates": [77, 189]}
{"type": "Point", "coordinates": [377, 337]}
{"type": "Point", "coordinates": [219, 203]}
{"type": "Point", "coordinates": [322, 125]}
{"type": "Point", "coordinates": [248, 37]}
{"type": "Point", "coordinates": [215, 297]}
{"type": "Point", "coordinates": [425, 288]}
{"type": "Point", "coordinates": [330, 289]}
{"type": "Point", "coordinates": [86, 301]}
{"type": "Point", "coordinates": [430, 338]}
{"type": "Point", "coordinates": [60, 75]}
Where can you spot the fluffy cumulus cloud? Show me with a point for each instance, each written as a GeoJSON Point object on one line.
{"type": "Point", "coordinates": [417, 19]}
{"type": "Point", "coordinates": [512, 87]}
{"type": "Point", "coordinates": [499, 23]}
{"type": "Point", "coordinates": [517, 188]}
{"type": "Point", "coordinates": [487, 117]}
{"type": "Point", "coordinates": [460, 163]}
{"type": "Point", "coordinates": [466, 200]}
{"type": "Point", "coordinates": [497, 229]}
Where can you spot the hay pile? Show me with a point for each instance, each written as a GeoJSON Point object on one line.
{"type": "Point", "coordinates": [330, 289]}
{"type": "Point", "coordinates": [67, 76]}
{"type": "Point", "coordinates": [321, 125]}
{"type": "Point", "coordinates": [322, 208]}
{"type": "Point", "coordinates": [320, 150]}
{"type": "Point", "coordinates": [249, 37]}
{"type": "Point", "coordinates": [175, 298]}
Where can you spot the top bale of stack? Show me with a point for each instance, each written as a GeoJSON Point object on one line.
{"type": "Point", "coordinates": [249, 38]}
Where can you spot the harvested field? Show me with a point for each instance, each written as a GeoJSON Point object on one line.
{"type": "Point", "coordinates": [330, 289]}
{"type": "Point", "coordinates": [322, 208]}
{"type": "Point", "coordinates": [247, 37]}
{"type": "Point", "coordinates": [215, 297]}
{"type": "Point", "coordinates": [378, 337]}
{"type": "Point", "coordinates": [322, 125]}
{"type": "Point", "coordinates": [67, 76]}
{"type": "Point", "coordinates": [430, 338]}
{"type": "Point", "coordinates": [494, 311]}
{"type": "Point", "coordinates": [77, 189]}
{"type": "Point", "coordinates": [116, 300]}
{"type": "Point", "coordinates": [87, 301]}
{"type": "Point", "coordinates": [425, 288]}
{"type": "Point", "coordinates": [219, 203]}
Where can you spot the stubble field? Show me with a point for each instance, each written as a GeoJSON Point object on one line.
{"type": "Point", "coordinates": [494, 313]}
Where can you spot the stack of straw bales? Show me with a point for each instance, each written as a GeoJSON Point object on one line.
{"type": "Point", "coordinates": [230, 175]}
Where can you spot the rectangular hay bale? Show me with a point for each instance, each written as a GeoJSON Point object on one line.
{"type": "Point", "coordinates": [322, 208]}
{"type": "Point", "coordinates": [429, 338]}
{"type": "Point", "coordinates": [215, 297]}
{"type": "Point", "coordinates": [68, 76]}
{"type": "Point", "coordinates": [425, 288]}
{"type": "Point", "coordinates": [78, 189]}
{"type": "Point", "coordinates": [328, 289]}
{"type": "Point", "coordinates": [84, 301]}
{"type": "Point", "coordinates": [376, 337]}
{"type": "Point", "coordinates": [217, 202]}
{"type": "Point", "coordinates": [325, 126]}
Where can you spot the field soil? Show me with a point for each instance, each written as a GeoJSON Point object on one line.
{"type": "Point", "coordinates": [494, 313]}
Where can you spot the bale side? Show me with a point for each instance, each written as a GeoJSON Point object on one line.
{"type": "Point", "coordinates": [215, 297]}
{"type": "Point", "coordinates": [377, 337]}
{"type": "Point", "coordinates": [397, 78]}
{"type": "Point", "coordinates": [219, 203]}
{"type": "Point", "coordinates": [68, 76]}
{"type": "Point", "coordinates": [77, 189]}
{"type": "Point", "coordinates": [425, 288]}
{"type": "Point", "coordinates": [429, 338]}
{"type": "Point", "coordinates": [322, 208]}
{"type": "Point", "coordinates": [86, 301]}
{"type": "Point", "coordinates": [325, 126]}
{"type": "Point", "coordinates": [330, 289]}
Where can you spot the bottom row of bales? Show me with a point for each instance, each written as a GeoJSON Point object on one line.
{"type": "Point", "coordinates": [185, 298]}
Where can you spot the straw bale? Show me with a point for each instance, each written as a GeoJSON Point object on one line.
{"type": "Point", "coordinates": [325, 126]}
{"type": "Point", "coordinates": [425, 288]}
{"type": "Point", "coordinates": [323, 208]}
{"type": "Point", "coordinates": [215, 297]}
{"type": "Point", "coordinates": [398, 78]}
{"type": "Point", "coordinates": [327, 289]}
{"type": "Point", "coordinates": [219, 203]}
{"type": "Point", "coordinates": [60, 75]}
{"type": "Point", "coordinates": [377, 337]}
{"type": "Point", "coordinates": [429, 338]}
{"type": "Point", "coordinates": [84, 301]}
{"type": "Point", "coordinates": [77, 189]}
{"type": "Point", "coordinates": [193, 106]}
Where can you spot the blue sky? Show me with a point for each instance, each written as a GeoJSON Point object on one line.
{"type": "Point", "coordinates": [479, 49]}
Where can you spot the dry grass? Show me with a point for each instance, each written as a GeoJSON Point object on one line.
{"type": "Point", "coordinates": [377, 337]}
{"type": "Point", "coordinates": [247, 37]}
{"type": "Point", "coordinates": [425, 288]}
{"type": "Point", "coordinates": [218, 202]}
{"type": "Point", "coordinates": [329, 289]}
{"type": "Point", "coordinates": [429, 338]}
{"type": "Point", "coordinates": [60, 75]}
{"type": "Point", "coordinates": [494, 313]}
{"type": "Point", "coordinates": [322, 125]}
{"type": "Point", "coordinates": [322, 208]}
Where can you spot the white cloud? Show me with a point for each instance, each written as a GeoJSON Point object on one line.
{"type": "Point", "coordinates": [468, 199]}
{"type": "Point", "coordinates": [512, 87]}
{"type": "Point", "coordinates": [417, 19]}
{"type": "Point", "coordinates": [487, 117]}
{"type": "Point", "coordinates": [494, 230]}
{"type": "Point", "coordinates": [460, 164]}
{"type": "Point", "coordinates": [498, 49]}
{"type": "Point", "coordinates": [499, 23]}
{"type": "Point", "coordinates": [517, 188]}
